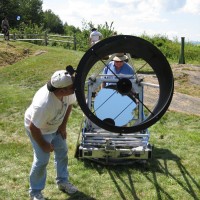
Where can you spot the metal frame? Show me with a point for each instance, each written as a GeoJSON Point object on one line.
{"type": "Point", "coordinates": [107, 147]}
{"type": "Point", "coordinates": [131, 142]}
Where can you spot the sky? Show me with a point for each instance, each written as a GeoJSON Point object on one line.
{"type": "Point", "coordinates": [171, 18]}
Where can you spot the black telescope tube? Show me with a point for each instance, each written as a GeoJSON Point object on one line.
{"type": "Point", "coordinates": [141, 49]}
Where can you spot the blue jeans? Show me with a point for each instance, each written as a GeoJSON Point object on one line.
{"type": "Point", "coordinates": [38, 171]}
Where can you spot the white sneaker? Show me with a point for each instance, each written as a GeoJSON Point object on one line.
{"type": "Point", "coordinates": [37, 197]}
{"type": "Point", "coordinates": [67, 187]}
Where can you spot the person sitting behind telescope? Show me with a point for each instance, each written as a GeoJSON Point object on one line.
{"type": "Point", "coordinates": [118, 66]}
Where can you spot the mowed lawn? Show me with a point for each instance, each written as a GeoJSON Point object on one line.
{"type": "Point", "coordinates": [172, 173]}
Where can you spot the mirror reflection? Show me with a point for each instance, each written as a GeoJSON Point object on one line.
{"type": "Point", "coordinates": [110, 104]}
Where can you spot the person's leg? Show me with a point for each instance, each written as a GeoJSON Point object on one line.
{"type": "Point", "coordinates": [61, 159]}
{"type": "Point", "coordinates": [61, 163]}
{"type": "Point", "coordinates": [38, 170]}
{"type": "Point", "coordinates": [8, 35]}
{"type": "Point", "coordinates": [4, 34]}
{"type": "Point", "coordinates": [5, 31]}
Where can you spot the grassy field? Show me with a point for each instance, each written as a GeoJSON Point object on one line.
{"type": "Point", "coordinates": [172, 173]}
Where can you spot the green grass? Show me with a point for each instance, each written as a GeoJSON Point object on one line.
{"type": "Point", "coordinates": [173, 172]}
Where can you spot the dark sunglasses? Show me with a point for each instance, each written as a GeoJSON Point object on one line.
{"type": "Point", "coordinates": [118, 61]}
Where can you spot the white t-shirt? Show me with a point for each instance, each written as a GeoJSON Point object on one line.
{"type": "Point", "coordinates": [46, 111]}
{"type": "Point", "coordinates": [95, 36]}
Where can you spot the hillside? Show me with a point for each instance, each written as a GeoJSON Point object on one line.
{"type": "Point", "coordinates": [170, 174]}
{"type": "Point", "coordinates": [13, 52]}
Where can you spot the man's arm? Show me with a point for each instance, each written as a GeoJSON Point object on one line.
{"type": "Point", "coordinates": [105, 71]}
{"type": "Point", "coordinates": [100, 36]}
{"type": "Point", "coordinates": [90, 39]}
{"type": "Point", "coordinates": [103, 85]}
{"type": "Point", "coordinates": [37, 136]}
{"type": "Point", "coordinates": [62, 127]}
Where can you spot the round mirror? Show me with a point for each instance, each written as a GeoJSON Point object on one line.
{"type": "Point", "coordinates": [110, 104]}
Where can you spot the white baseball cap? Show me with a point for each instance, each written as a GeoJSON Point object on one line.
{"type": "Point", "coordinates": [59, 79]}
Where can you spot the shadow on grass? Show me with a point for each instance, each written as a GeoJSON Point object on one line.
{"type": "Point", "coordinates": [156, 166]}
{"type": "Point", "coordinates": [150, 170]}
{"type": "Point", "coordinates": [80, 196]}
{"type": "Point", "coordinates": [77, 196]}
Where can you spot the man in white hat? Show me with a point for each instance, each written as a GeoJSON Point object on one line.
{"type": "Point", "coordinates": [45, 123]}
{"type": "Point", "coordinates": [118, 66]}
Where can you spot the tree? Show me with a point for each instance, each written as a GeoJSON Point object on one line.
{"type": "Point", "coordinates": [31, 11]}
{"type": "Point", "coordinates": [106, 30]}
{"type": "Point", "coordinates": [52, 22]}
{"type": "Point", "coordinates": [70, 29]}
{"type": "Point", "coordinates": [9, 8]}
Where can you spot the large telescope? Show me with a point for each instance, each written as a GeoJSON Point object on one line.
{"type": "Point", "coordinates": [140, 49]}
{"type": "Point", "coordinates": [117, 117]}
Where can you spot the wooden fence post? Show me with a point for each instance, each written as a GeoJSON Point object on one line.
{"type": "Point", "coordinates": [182, 57]}
{"type": "Point", "coordinates": [75, 42]}
{"type": "Point", "coordinates": [45, 38]}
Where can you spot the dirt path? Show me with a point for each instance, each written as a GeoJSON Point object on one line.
{"type": "Point", "coordinates": [185, 103]}
{"type": "Point", "coordinates": [180, 102]}
{"type": "Point", "coordinates": [187, 78]}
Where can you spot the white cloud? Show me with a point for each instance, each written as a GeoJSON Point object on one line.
{"type": "Point", "coordinates": [192, 6]}
{"type": "Point", "coordinates": [167, 17]}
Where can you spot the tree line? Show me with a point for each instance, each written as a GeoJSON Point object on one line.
{"type": "Point", "coordinates": [28, 16]}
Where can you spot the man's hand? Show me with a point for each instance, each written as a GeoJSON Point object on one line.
{"type": "Point", "coordinates": [37, 136]}
{"type": "Point", "coordinates": [47, 147]}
